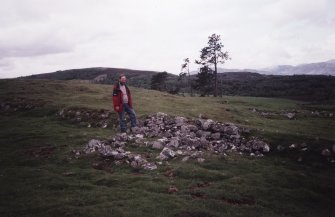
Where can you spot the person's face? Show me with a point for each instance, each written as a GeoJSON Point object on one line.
{"type": "Point", "coordinates": [123, 79]}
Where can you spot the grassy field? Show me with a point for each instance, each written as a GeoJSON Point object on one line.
{"type": "Point", "coordinates": [40, 177]}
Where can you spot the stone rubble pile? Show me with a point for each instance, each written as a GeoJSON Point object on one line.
{"type": "Point", "coordinates": [19, 104]}
{"type": "Point", "coordinates": [292, 114]}
{"type": "Point", "coordinates": [118, 154]}
{"type": "Point", "coordinates": [177, 137]}
{"type": "Point", "coordinates": [84, 117]}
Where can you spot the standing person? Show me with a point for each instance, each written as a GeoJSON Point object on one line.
{"type": "Point", "coordinates": [123, 103]}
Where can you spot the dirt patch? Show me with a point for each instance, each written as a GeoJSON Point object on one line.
{"type": "Point", "coordinates": [103, 165]}
{"type": "Point", "coordinates": [247, 200]}
{"type": "Point", "coordinates": [198, 195]}
{"type": "Point", "coordinates": [193, 214]}
{"type": "Point", "coordinates": [200, 185]}
{"type": "Point", "coordinates": [41, 152]}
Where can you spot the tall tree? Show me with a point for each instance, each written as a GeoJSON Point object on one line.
{"type": "Point", "coordinates": [158, 81]}
{"type": "Point", "coordinates": [212, 54]}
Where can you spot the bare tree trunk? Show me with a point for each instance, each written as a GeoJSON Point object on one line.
{"type": "Point", "coordinates": [216, 79]}
{"type": "Point", "coordinates": [189, 83]}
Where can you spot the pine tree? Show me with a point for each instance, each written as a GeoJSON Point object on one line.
{"type": "Point", "coordinates": [212, 54]}
{"type": "Point", "coordinates": [204, 81]}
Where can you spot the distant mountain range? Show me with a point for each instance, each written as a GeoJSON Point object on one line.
{"type": "Point", "coordinates": [320, 68]}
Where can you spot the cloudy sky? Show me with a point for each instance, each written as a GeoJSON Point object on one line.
{"type": "Point", "coordinates": [39, 36]}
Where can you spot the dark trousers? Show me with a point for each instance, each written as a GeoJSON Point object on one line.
{"type": "Point", "coordinates": [131, 114]}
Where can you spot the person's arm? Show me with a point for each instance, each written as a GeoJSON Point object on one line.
{"type": "Point", "coordinates": [130, 100]}
{"type": "Point", "coordinates": [116, 99]}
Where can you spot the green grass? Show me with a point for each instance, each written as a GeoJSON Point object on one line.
{"type": "Point", "coordinates": [33, 184]}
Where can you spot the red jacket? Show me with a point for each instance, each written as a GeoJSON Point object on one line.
{"type": "Point", "coordinates": [117, 97]}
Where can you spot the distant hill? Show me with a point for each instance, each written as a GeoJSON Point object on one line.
{"type": "Point", "coordinates": [137, 78]}
{"type": "Point", "coordinates": [243, 83]}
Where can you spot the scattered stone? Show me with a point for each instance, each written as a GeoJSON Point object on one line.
{"type": "Point", "coordinates": [326, 152]}
{"type": "Point", "coordinates": [68, 173]}
{"type": "Point", "coordinates": [290, 115]}
{"type": "Point", "coordinates": [185, 158]}
{"type": "Point", "coordinates": [96, 118]}
{"type": "Point", "coordinates": [93, 146]}
{"type": "Point", "coordinates": [20, 104]}
{"type": "Point", "coordinates": [149, 166]}
{"type": "Point", "coordinates": [293, 146]}
{"type": "Point", "coordinates": [258, 145]}
{"type": "Point", "coordinates": [200, 160]}
{"type": "Point", "coordinates": [304, 149]}
{"type": "Point", "coordinates": [166, 154]}
{"type": "Point", "coordinates": [172, 189]}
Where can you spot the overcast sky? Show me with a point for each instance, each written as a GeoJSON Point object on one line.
{"type": "Point", "coordinates": [39, 36]}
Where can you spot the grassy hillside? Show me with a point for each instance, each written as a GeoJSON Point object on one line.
{"type": "Point", "coordinates": [40, 176]}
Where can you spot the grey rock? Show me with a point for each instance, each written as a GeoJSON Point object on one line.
{"type": "Point", "coordinates": [216, 136]}
{"type": "Point", "coordinates": [290, 115]}
{"type": "Point", "coordinates": [207, 124]}
{"type": "Point", "coordinates": [174, 142]}
{"type": "Point", "coordinates": [231, 129]}
{"type": "Point", "coordinates": [161, 115]}
{"type": "Point", "coordinates": [199, 133]}
{"type": "Point", "coordinates": [217, 127]}
{"type": "Point", "coordinates": [93, 146]}
{"type": "Point", "coordinates": [204, 142]}
{"type": "Point", "coordinates": [136, 130]}
{"type": "Point", "coordinates": [166, 154]}
{"type": "Point", "coordinates": [258, 145]}
{"type": "Point", "coordinates": [184, 129]}
{"type": "Point", "coordinates": [200, 160]}
{"type": "Point", "coordinates": [185, 158]}
{"type": "Point", "coordinates": [157, 145]}
{"type": "Point", "coordinates": [326, 152]}
{"type": "Point", "coordinates": [193, 128]}
{"type": "Point", "coordinates": [180, 121]}
{"type": "Point", "coordinates": [149, 166]}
